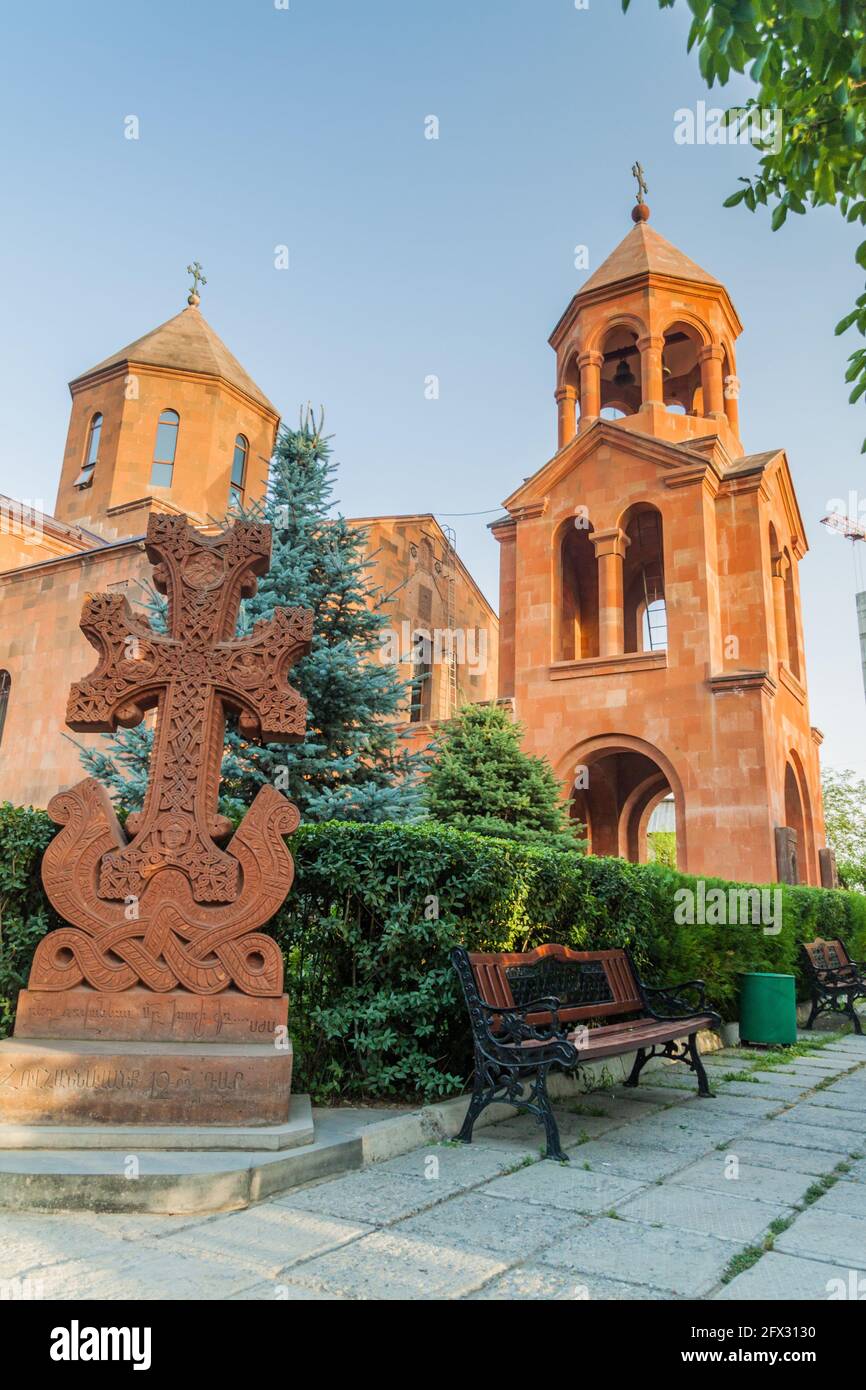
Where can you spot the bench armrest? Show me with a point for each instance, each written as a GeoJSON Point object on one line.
{"type": "Point", "coordinates": [513, 1020]}
{"type": "Point", "coordinates": [829, 974]}
{"type": "Point", "coordinates": [668, 996]}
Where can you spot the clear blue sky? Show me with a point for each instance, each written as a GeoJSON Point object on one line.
{"type": "Point", "coordinates": [261, 126]}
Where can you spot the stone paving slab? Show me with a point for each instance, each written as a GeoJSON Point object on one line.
{"type": "Point", "coordinates": [510, 1230]}
{"type": "Point", "coordinates": [564, 1186]}
{"type": "Point", "coordinates": [368, 1197]}
{"type": "Point", "coordinates": [686, 1140]}
{"type": "Point", "coordinates": [676, 1261]}
{"type": "Point", "coordinates": [33, 1241]}
{"type": "Point", "coordinates": [730, 1217]}
{"type": "Point", "coordinates": [572, 1128]}
{"type": "Point", "coordinates": [280, 1291]}
{"type": "Point", "coordinates": [397, 1265]}
{"type": "Point", "coordinates": [779, 1158]}
{"type": "Point", "coordinates": [266, 1238]}
{"type": "Point", "coordinates": [763, 1090]}
{"type": "Point", "coordinates": [149, 1275]}
{"type": "Point", "coordinates": [539, 1281]}
{"type": "Point", "coordinates": [834, 1139]}
{"type": "Point", "coordinates": [651, 1095]}
{"type": "Point", "coordinates": [818, 1234]}
{"type": "Point", "coordinates": [825, 1117]}
{"type": "Point", "coordinates": [846, 1197]}
{"type": "Point", "coordinates": [833, 1100]}
{"type": "Point", "coordinates": [748, 1107]}
{"type": "Point", "coordinates": [784, 1080]}
{"type": "Point", "coordinates": [644, 1163]}
{"type": "Point", "coordinates": [458, 1166]}
{"type": "Point", "coordinates": [857, 1171]}
{"type": "Point", "coordinates": [612, 1107]}
{"type": "Point", "coordinates": [779, 1277]}
{"type": "Point", "coordinates": [757, 1183]}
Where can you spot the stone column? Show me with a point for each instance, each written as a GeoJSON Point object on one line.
{"type": "Point", "coordinates": [780, 564]}
{"type": "Point", "coordinates": [566, 400]}
{"type": "Point", "coordinates": [590, 387]}
{"type": "Point", "coordinates": [610, 547]}
{"type": "Point", "coordinates": [651, 381]}
{"type": "Point", "coordinates": [731, 387]}
{"type": "Point", "coordinates": [712, 388]}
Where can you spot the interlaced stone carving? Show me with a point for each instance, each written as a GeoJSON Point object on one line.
{"type": "Point", "coordinates": [175, 900]}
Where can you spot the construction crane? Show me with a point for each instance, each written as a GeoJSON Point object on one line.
{"type": "Point", "coordinates": [853, 531]}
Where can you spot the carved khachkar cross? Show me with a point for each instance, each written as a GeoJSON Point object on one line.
{"type": "Point", "coordinates": [170, 905]}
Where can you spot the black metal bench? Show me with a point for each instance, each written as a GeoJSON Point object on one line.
{"type": "Point", "coordinates": [833, 978]}
{"type": "Point", "coordinates": [523, 1007]}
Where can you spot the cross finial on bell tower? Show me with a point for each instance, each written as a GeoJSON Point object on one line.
{"type": "Point", "coordinates": [197, 279]}
{"type": "Point", "coordinates": [640, 212]}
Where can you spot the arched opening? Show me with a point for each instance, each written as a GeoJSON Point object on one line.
{"type": "Point", "coordinates": [645, 624]}
{"type": "Point", "coordinates": [239, 472]}
{"type": "Point", "coordinates": [624, 784]}
{"type": "Point", "coordinates": [794, 817]}
{"type": "Point", "coordinates": [681, 371]}
{"type": "Point", "coordinates": [577, 635]}
{"type": "Point", "coordinates": [791, 618]}
{"type": "Point", "coordinates": [5, 687]}
{"type": "Point", "coordinates": [162, 470]}
{"type": "Point", "coordinates": [569, 398]}
{"type": "Point", "coordinates": [661, 831]}
{"type": "Point", "coordinates": [620, 373]}
{"type": "Point", "coordinates": [798, 803]}
{"type": "Point", "coordinates": [91, 452]}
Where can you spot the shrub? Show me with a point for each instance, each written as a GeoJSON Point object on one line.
{"type": "Point", "coordinates": [375, 909]}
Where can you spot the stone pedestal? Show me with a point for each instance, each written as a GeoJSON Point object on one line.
{"type": "Point", "coordinates": [81, 1057]}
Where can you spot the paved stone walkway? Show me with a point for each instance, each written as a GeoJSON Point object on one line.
{"type": "Point", "coordinates": [759, 1193]}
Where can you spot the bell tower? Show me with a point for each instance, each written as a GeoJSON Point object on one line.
{"type": "Point", "coordinates": [173, 423]}
{"type": "Point", "coordinates": [650, 629]}
{"type": "Point", "coordinates": [649, 341]}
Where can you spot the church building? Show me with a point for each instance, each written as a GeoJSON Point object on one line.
{"type": "Point", "coordinates": [650, 628]}
{"type": "Point", "coordinates": [174, 423]}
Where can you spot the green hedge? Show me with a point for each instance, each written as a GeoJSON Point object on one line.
{"type": "Point", "coordinates": [374, 910]}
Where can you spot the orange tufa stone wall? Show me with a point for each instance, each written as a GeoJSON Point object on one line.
{"type": "Point", "coordinates": [432, 594]}
{"type": "Point", "coordinates": [656, 516]}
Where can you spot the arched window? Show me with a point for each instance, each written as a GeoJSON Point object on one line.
{"type": "Point", "coordinates": [239, 472]}
{"type": "Point", "coordinates": [681, 372]}
{"type": "Point", "coordinates": [791, 618]}
{"type": "Point", "coordinates": [5, 687]}
{"type": "Point", "coordinates": [166, 445]}
{"type": "Point", "coordinates": [91, 452]}
{"type": "Point", "coordinates": [620, 373]}
{"type": "Point", "coordinates": [645, 622]}
{"type": "Point", "coordinates": [577, 634]}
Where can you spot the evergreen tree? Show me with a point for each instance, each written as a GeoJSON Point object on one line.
{"type": "Point", "coordinates": [482, 780]}
{"type": "Point", "coordinates": [353, 764]}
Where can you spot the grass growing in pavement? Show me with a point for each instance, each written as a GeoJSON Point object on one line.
{"type": "Point", "coordinates": [744, 1259]}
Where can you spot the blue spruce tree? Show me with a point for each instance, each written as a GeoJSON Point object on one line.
{"type": "Point", "coordinates": [353, 763]}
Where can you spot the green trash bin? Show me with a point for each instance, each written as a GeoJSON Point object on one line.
{"type": "Point", "coordinates": [768, 1008]}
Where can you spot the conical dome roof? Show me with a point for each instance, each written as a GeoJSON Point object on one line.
{"type": "Point", "coordinates": [186, 343]}
{"type": "Point", "coordinates": [644, 252]}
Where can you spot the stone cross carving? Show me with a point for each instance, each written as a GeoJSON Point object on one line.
{"type": "Point", "coordinates": [179, 901]}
